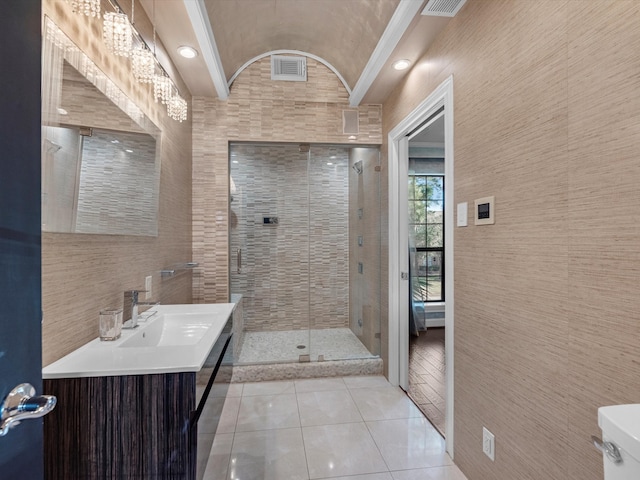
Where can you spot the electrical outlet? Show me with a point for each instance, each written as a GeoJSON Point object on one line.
{"type": "Point", "coordinates": [148, 282]}
{"type": "Point", "coordinates": [489, 444]}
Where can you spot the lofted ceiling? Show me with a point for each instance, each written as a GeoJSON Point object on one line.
{"type": "Point", "coordinates": [359, 39]}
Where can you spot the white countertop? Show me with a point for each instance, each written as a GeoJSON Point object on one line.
{"type": "Point", "coordinates": [175, 351]}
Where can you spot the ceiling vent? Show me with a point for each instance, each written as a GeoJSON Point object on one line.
{"type": "Point", "coordinates": [292, 69]}
{"type": "Point", "coordinates": [443, 8]}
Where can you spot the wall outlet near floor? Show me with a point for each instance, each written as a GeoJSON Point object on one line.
{"type": "Point", "coordinates": [148, 282]}
{"type": "Point", "coordinates": [488, 444]}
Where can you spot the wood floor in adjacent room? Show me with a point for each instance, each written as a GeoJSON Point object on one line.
{"type": "Point", "coordinates": [427, 375]}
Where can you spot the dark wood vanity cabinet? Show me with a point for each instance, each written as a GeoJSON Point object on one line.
{"type": "Point", "coordinates": [125, 427]}
{"type": "Point", "coordinates": [131, 426]}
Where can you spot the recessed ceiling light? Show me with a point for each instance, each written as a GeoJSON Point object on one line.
{"type": "Point", "coordinates": [62, 111]}
{"type": "Point", "coordinates": [329, 163]}
{"type": "Point", "coordinates": [234, 161]}
{"type": "Point", "coordinates": [187, 52]}
{"type": "Point", "coordinates": [352, 137]}
{"type": "Point", "coordinates": [401, 64]}
{"type": "Point", "coordinates": [115, 141]}
{"type": "Point", "coordinates": [128, 150]}
{"type": "Point", "coordinates": [333, 157]}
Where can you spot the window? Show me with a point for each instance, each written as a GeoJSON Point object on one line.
{"type": "Point", "coordinates": [426, 229]}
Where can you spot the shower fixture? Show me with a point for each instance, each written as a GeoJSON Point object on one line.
{"type": "Point", "coordinates": [358, 167]}
{"type": "Point", "coordinates": [52, 147]}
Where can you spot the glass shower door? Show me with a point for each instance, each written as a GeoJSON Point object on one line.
{"type": "Point", "coordinates": [305, 251]}
{"type": "Point", "coordinates": [269, 247]}
{"type": "Point", "coordinates": [344, 252]}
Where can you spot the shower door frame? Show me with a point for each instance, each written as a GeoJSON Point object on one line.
{"type": "Point", "coordinates": [309, 159]}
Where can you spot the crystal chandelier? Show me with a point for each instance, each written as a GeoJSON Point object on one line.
{"type": "Point", "coordinates": [117, 33]}
{"type": "Point", "coordinates": [90, 8]}
{"type": "Point", "coordinates": [143, 64]}
{"type": "Point", "coordinates": [162, 89]}
{"type": "Point", "coordinates": [177, 108]}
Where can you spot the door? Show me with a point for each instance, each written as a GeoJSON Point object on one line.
{"type": "Point", "coordinates": [20, 298]}
{"type": "Point", "coordinates": [269, 243]}
{"type": "Point", "coordinates": [398, 346]}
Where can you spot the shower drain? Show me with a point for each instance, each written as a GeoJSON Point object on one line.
{"type": "Point", "coordinates": [301, 347]}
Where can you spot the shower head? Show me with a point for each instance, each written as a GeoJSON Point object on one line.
{"type": "Point", "coordinates": [358, 167]}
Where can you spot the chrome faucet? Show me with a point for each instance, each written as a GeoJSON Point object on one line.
{"type": "Point", "coordinates": [130, 308]}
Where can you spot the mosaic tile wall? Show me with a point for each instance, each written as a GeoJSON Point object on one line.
{"type": "Point", "coordinates": [258, 110]}
{"type": "Point", "coordinates": [118, 189]}
{"type": "Point", "coordinates": [293, 275]}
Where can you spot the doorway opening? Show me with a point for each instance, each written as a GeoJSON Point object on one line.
{"type": "Point", "coordinates": [438, 105]}
{"type": "Point", "coordinates": [426, 190]}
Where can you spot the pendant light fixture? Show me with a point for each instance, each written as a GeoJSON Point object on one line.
{"type": "Point", "coordinates": [90, 8]}
{"type": "Point", "coordinates": [117, 33]}
{"type": "Point", "coordinates": [143, 61]}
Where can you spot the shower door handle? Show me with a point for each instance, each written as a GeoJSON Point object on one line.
{"type": "Point", "coordinates": [239, 259]}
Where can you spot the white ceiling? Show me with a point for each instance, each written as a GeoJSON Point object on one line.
{"type": "Point", "coordinates": [359, 38]}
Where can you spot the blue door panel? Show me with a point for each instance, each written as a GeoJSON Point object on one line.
{"type": "Point", "coordinates": [20, 264]}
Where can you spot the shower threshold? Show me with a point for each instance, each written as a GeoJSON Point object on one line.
{"type": "Point", "coordinates": [290, 345]}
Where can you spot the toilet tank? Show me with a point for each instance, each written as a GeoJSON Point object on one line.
{"type": "Point", "coordinates": [620, 425]}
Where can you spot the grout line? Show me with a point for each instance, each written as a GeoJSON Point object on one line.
{"type": "Point", "coordinates": [304, 446]}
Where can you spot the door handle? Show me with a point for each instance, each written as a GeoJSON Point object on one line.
{"type": "Point", "coordinates": [239, 260]}
{"type": "Point", "coordinates": [22, 404]}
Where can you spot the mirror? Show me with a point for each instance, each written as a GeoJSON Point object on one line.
{"type": "Point", "coordinates": [100, 153]}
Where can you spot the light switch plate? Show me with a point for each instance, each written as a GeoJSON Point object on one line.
{"type": "Point", "coordinates": [462, 214]}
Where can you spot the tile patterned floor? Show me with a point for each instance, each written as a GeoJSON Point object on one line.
{"type": "Point", "coordinates": [282, 346]}
{"type": "Point", "coordinates": [427, 374]}
{"type": "Point", "coordinates": [343, 428]}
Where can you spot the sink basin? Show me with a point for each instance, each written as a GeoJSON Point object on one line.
{"type": "Point", "coordinates": [169, 330]}
{"type": "Point", "coordinates": [176, 338]}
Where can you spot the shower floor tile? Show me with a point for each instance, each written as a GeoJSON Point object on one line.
{"type": "Point", "coordinates": [282, 346]}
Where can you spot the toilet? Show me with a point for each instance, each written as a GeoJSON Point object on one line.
{"type": "Point", "coordinates": [620, 425]}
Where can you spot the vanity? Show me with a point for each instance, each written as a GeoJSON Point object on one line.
{"type": "Point", "coordinates": [130, 408]}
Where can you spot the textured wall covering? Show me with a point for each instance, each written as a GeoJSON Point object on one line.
{"type": "Point", "coordinates": [83, 273]}
{"type": "Point", "coordinates": [546, 109]}
{"type": "Point", "coordinates": [265, 111]}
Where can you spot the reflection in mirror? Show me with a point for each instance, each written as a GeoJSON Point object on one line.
{"type": "Point", "coordinates": [100, 153]}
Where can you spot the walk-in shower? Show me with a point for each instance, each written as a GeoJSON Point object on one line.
{"type": "Point", "coordinates": [305, 251]}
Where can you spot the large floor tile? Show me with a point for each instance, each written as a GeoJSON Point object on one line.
{"type": "Point", "coordinates": [268, 455]}
{"type": "Point", "coordinates": [384, 403]}
{"type": "Point", "coordinates": [320, 384]}
{"type": "Point", "coordinates": [229, 390]}
{"type": "Point", "coordinates": [267, 411]}
{"type": "Point", "coordinates": [219, 456]}
{"type": "Point", "coordinates": [268, 388]}
{"type": "Point", "coordinates": [326, 408]}
{"type": "Point", "coordinates": [211, 415]}
{"type": "Point", "coordinates": [340, 450]}
{"type": "Point", "coordinates": [409, 443]}
{"type": "Point", "coordinates": [229, 415]}
{"type": "Point", "coordinates": [366, 476]}
{"type": "Point", "coordinates": [436, 473]}
{"type": "Point", "coordinates": [368, 381]}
